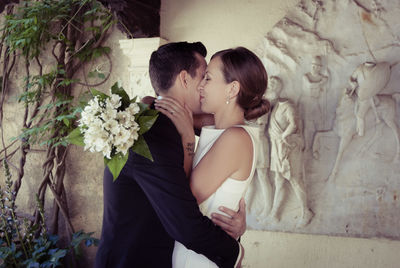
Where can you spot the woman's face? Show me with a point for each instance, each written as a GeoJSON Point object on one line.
{"type": "Point", "coordinates": [213, 88]}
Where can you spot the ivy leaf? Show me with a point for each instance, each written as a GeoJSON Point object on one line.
{"type": "Point", "coordinates": [140, 147]}
{"type": "Point", "coordinates": [66, 122]}
{"type": "Point", "coordinates": [57, 255]}
{"type": "Point", "coordinates": [76, 137]}
{"type": "Point", "coordinates": [92, 74]}
{"type": "Point", "coordinates": [101, 75]}
{"type": "Point", "coordinates": [116, 163]}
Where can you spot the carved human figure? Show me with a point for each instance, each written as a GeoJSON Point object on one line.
{"type": "Point", "coordinates": [286, 152]}
{"type": "Point", "coordinates": [366, 82]}
{"type": "Point", "coordinates": [314, 84]}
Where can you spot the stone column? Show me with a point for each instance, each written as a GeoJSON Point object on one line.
{"type": "Point", "coordinates": [139, 50]}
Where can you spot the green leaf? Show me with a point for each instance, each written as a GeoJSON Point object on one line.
{"type": "Point", "coordinates": [76, 137]}
{"type": "Point", "coordinates": [57, 255]}
{"type": "Point", "coordinates": [116, 163]}
{"type": "Point", "coordinates": [92, 74]}
{"type": "Point", "coordinates": [100, 94]}
{"type": "Point", "coordinates": [140, 147]}
{"type": "Point", "coordinates": [66, 122]}
{"type": "Point", "coordinates": [150, 112]}
{"type": "Point", "coordinates": [101, 75]}
{"type": "Point", "coordinates": [146, 122]}
{"type": "Point", "coordinates": [134, 99]}
{"type": "Point", "coordinates": [143, 107]}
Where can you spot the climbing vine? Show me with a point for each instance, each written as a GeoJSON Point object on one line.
{"type": "Point", "coordinates": [72, 33]}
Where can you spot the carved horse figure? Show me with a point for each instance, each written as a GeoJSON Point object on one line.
{"type": "Point", "coordinates": [345, 125]}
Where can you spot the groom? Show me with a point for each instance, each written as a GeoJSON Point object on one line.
{"type": "Point", "coordinates": [151, 205]}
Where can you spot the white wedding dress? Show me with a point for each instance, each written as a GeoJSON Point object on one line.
{"type": "Point", "coordinates": [228, 194]}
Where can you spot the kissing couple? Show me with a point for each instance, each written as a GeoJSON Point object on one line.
{"type": "Point", "coordinates": [186, 208]}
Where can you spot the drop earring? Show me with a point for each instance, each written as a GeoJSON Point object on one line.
{"type": "Point", "coordinates": [227, 101]}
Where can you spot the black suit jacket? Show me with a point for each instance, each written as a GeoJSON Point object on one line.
{"type": "Point", "coordinates": [150, 205]}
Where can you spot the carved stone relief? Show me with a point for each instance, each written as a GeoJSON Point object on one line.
{"type": "Point", "coordinates": [338, 64]}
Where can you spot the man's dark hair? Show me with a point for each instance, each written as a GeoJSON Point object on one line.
{"type": "Point", "coordinates": [170, 59]}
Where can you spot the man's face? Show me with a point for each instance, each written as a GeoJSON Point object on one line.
{"type": "Point", "coordinates": [274, 89]}
{"type": "Point", "coordinates": [316, 68]}
{"type": "Point", "coordinates": [192, 98]}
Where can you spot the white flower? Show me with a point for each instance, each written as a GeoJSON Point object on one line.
{"type": "Point", "coordinates": [134, 131]}
{"type": "Point", "coordinates": [123, 148]}
{"type": "Point", "coordinates": [115, 129]}
{"type": "Point", "coordinates": [111, 125]}
{"type": "Point", "coordinates": [122, 136]}
{"type": "Point", "coordinates": [114, 101]}
{"type": "Point", "coordinates": [133, 108]}
{"type": "Point", "coordinates": [124, 118]}
{"type": "Point", "coordinates": [109, 113]}
{"type": "Point", "coordinates": [89, 113]}
{"type": "Point", "coordinates": [93, 105]}
{"type": "Point", "coordinates": [86, 119]}
{"type": "Point", "coordinates": [107, 151]}
{"type": "Point", "coordinates": [96, 123]}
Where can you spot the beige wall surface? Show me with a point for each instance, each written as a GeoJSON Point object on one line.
{"type": "Point", "coordinates": [222, 24]}
{"type": "Point", "coordinates": [282, 250]}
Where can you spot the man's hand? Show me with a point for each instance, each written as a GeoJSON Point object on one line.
{"type": "Point", "coordinates": [235, 225]}
{"type": "Point", "coordinates": [148, 100]}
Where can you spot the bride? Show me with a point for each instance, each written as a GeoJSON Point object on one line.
{"type": "Point", "coordinates": [223, 165]}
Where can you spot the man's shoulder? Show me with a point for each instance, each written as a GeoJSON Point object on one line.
{"type": "Point", "coordinates": [164, 143]}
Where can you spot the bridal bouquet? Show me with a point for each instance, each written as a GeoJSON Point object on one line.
{"type": "Point", "coordinates": [112, 125]}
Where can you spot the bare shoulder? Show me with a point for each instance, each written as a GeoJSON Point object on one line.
{"type": "Point", "coordinates": [236, 148]}
{"type": "Point", "coordinates": [237, 139]}
{"type": "Point", "coordinates": [235, 133]}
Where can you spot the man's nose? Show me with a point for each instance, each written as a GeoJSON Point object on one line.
{"type": "Point", "coordinates": [201, 85]}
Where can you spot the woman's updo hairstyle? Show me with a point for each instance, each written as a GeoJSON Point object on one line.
{"type": "Point", "coordinates": [242, 65]}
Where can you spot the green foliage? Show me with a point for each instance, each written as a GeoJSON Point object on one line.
{"type": "Point", "coordinates": [35, 26]}
{"type": "Point", "coordinates": [96, 73]}
{"type": "Point", "coordinates": [20, 247]}
{"type": "Point", "coordinates": [57, 116]}
{"type": "Point", "coordinates": [32, 27]}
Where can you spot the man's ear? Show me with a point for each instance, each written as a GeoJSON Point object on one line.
{"type": "Point", "coordinates": [182, 76]}
{"type": "Point", "coordinates": [234, 89]}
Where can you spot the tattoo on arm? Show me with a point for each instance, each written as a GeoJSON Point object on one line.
{"type": "Point", "coordinates": [190, 148]}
